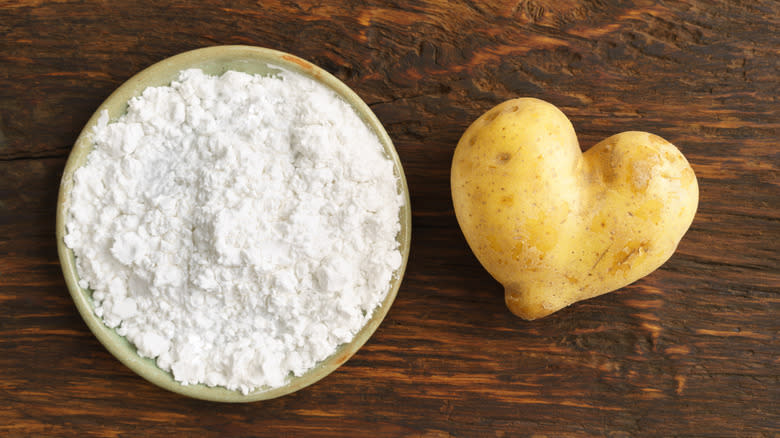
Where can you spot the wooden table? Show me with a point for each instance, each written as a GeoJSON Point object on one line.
{"type": "Point", "coordinates": [690, 350]}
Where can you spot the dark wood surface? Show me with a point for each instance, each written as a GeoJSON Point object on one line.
{"type": "Point", "coordinates": [691, 350]}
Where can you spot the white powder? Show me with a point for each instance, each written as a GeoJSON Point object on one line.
{"type": "Point", "coordinates": [237, 229]}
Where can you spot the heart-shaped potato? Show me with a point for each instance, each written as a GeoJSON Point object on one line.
{"type": "Point", "coordinates": [555, 226]}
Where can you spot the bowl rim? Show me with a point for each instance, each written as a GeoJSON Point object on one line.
{"type": "Point", "coordinates": [237, 55]}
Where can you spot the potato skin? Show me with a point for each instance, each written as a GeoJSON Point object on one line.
{"type": "Point", "coordinates": [555, 226]}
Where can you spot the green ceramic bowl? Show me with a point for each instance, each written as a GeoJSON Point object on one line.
{"type": "Point", "coordinates": [216, 60]}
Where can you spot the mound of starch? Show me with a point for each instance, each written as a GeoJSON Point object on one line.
{"type": "Point", "coordinates": [236, 228]}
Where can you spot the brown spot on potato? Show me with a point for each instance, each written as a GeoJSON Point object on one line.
{"type": "Point", "coordinates": [626, 256]}
{"type": "Point", "coordinates": [518, 250]}
{"type": "Point", "coordinates": [600, 257]}
{"type": "Point", "coordinates": [503, 157]}
{"type": "Point", "coordinates": [491, 115]}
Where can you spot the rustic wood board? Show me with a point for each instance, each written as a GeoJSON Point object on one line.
{"type": "Point", "coordinates": [691, 350]}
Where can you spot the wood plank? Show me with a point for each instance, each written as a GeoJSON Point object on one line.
{"type": "Point", "coordinates": [690, 350]}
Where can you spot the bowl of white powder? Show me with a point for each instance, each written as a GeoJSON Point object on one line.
{"type": "Point", "coordinates": [233, 223]}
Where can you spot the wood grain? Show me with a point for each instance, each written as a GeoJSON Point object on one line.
{"type": "Point", "coordinates": [691, 350]}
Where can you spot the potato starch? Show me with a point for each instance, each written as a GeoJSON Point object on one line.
{"type": "Point", "coordinates": [238, 228]}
